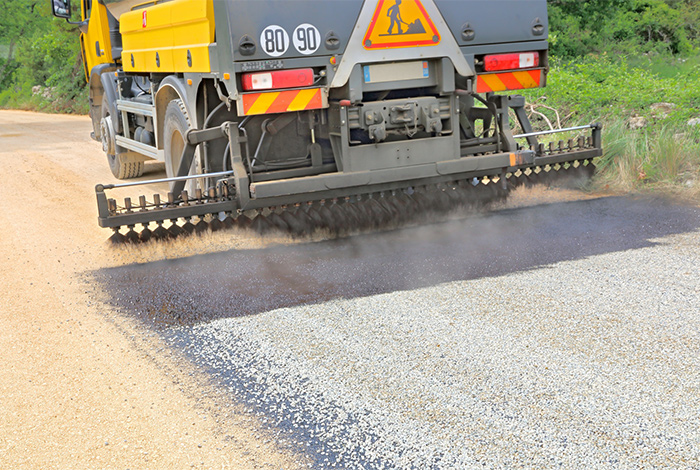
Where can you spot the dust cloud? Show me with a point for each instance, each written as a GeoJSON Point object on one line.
{"type": "Point", "coordinates": [255, 274]}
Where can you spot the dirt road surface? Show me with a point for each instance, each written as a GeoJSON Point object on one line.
{"type": "Point", "coordinates": [77, 388]}
{"type": "Point", "coordinates": [563, 334]}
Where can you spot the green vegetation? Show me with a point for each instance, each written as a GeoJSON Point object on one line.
{"type": "Point", "coordinates": [647, 110]}
{"type": "Point", "coordinates": [40, 64]}
{"type": "Point", "coordinates": [661, 158]}
{"type": "Point", "coordinates": [612, 61]}
{"type": "Point", "coordinates": [632, 65]}
{"type": "Point", "coordinates": [580, 27]}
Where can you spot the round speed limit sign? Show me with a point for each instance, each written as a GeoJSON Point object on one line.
{"type": "Point", "coordinates": [306, 38]}
{"type": "Point", "coordinates": [274, 40]}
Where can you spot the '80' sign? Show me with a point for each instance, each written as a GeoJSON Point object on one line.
{"type": "Point", "coordinates": [274, 40]}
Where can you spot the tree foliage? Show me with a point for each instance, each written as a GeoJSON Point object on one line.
{"type": "Point", "coordinates": [43, 67]}
{"type": "Point", "coordinates": [624, 26]}
{"type": "Point", "coordinates": [17, 17]}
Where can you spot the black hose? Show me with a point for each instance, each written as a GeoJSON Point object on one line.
{"type": "Point", "coordinates": [211, 115]}
{"type": "Point", "coordinates": [226, 152]}
{"type": "Point", "coordinates": [206, 126]}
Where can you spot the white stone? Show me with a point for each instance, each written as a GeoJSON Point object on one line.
{"type": "Point", "coordinates": [637, 122]}
{"type": "Point", "coordinates": [661, 110]}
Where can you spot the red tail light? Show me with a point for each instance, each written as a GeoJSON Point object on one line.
{"type": "Point", "coordinates": [521, 60]}
{"type": "Point", "coordinates": [275, 79]}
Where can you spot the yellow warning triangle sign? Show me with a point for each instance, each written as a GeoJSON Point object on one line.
{"type": "Point", "coordinates": [400, 23]}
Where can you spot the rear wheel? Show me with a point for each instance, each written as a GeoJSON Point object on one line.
{"type": "Point", "coordinates": [175, 126]}
{"type": "Point", "coordinates": [123, 165]}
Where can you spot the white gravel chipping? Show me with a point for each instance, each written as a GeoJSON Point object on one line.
{"type": "Point", "coordinates": [590, 363]}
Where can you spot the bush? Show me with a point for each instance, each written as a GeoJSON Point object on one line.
{"type": "Point", "coordinates": [623, 26]}
{"type": "Point", "coordinates": [665, 151]}
{"type": "Point", "coordinates": [47, 72]}
{"type": "Point", "coordinates": [651, 157]}
{"type": "Point", "coordinates": [605, 88]}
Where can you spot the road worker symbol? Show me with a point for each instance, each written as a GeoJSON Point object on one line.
{"type": "Point", "coordinates": [394, 14]}
{"type": "Point", "coordinates": [400, 23]}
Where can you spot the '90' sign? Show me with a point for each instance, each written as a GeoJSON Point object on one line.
{"type": "Point", "coordinates": [275, 40]}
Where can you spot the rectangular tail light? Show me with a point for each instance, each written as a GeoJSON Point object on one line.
{"type": "Point", "coordinates": [276, 79]}
{"type": "Point", "coordinates": [518, 60]}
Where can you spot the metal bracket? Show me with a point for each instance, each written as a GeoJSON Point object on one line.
{"type": "Point", "coordinates": [517, 104]}
{"type": "Point", "coordinates": [240, 174]}
{"type": "Point", "coordinates": [197, 136]}
{"type": "Point", "coordinates": [193, 138]}
{"type": "Point", "coordinates": [222, 97]}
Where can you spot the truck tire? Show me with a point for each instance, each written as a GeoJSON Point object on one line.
{"type": "Point", "coordinates": [123, 165]}
{"type": "Point", "coordinates": [176, 123]}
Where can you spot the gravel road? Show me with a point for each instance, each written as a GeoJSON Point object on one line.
{"type": "Point", "coordinates": [561, 335]}
{"type": "Point", "coordinates": [80, 386]}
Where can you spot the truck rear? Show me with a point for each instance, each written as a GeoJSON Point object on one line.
{"type": "Point", "coordinates": [336, 114]}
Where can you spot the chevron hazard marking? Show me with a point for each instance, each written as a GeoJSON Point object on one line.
{"type": "Point", "coordinates": [283, 101]}
{"type": "Point", "coordinates": [508, 81]}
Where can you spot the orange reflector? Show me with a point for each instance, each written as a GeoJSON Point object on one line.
{"type": "Point", "coordinates": [517, 159]}
{"type": "Point", "coordinates": [508, 81]}
{"type": "Point", "coordinates": [227, 76]}
{"type": "Point", "coordinates": [282, 101]}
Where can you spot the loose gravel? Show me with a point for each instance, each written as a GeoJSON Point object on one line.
{"type": "Point", "coordinates": [571, 341]}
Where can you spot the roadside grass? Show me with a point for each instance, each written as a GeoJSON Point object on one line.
{"type": "Point", "coordinates": [646, 106]}
{"type": "Point", "coordinates": [665, 66]}
{"type": "Point", "coordinates": [650, 159]}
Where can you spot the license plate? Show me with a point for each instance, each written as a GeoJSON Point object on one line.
{"type": "Point", "coordinates": [380, 73]}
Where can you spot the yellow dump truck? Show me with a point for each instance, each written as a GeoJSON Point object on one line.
{"type": "Point", "coordinates": [336, 114]}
